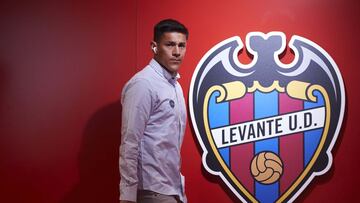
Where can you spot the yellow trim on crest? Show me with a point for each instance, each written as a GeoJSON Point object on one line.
{"type": "Point", "coordinates": [274, 86]}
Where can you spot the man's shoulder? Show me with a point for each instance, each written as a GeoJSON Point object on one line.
{"type": "Point", "coordinates": [143, 75]}
{"type": "Point", "coordinates": [141, 78]}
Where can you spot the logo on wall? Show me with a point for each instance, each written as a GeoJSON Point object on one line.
{"type": "Point", "coordinates": [267, 128]}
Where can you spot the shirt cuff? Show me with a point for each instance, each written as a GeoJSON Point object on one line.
{"type": "Point", "coordinates": [128, 193]}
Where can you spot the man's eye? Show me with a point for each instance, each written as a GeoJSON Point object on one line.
{"type": "Point", "coordinates": [170, 44]}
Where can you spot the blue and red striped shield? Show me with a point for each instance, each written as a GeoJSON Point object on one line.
{"type": "Point", "coordinates": [267, 128]}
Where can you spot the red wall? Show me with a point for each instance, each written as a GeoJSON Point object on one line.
{"type": "Point", "coordinates": [63, 65]}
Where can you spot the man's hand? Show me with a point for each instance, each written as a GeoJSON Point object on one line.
{"type": "Point", "coordinates": [125, 201]}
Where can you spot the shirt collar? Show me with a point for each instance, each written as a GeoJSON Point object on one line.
{"type": "Point", "coordinates": [161, 71]}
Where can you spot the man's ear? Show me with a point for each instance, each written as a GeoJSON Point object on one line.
{"type": "Point", "coordinates": [153, 45]}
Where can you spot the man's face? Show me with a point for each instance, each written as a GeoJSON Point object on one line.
{"type": "Point", "coordinates": [170, 50]}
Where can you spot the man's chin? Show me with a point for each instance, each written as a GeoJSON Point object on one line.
{"type": "Point", "coordinates": [173, 69]}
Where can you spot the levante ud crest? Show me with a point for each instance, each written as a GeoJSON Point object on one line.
{"type": "Point", "coordinates": [267, 128]}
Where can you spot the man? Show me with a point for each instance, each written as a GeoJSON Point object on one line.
{"type": "Point", "coordinates": [153, 123]}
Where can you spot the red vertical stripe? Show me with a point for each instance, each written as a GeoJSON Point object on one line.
{"type": "Point", "coordinates": [241, 110]}
{"type": "Point", "coordinates": [291, 146]}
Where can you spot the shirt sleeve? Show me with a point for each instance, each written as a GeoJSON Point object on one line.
{"type": "Point", "coordinates": [136, 102]}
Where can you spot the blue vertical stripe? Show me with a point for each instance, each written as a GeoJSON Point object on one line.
{"type": "Point", "coordinates": [266, 104]}
{"type": "Point", "coordinates": [219, 116]}
{"type": "Point", "coordinates": [312, 137]}
{"type": "Point", "coordinates": [225, 154]}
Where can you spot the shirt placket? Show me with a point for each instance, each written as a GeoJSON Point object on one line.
{"type": "Point", "coordinates": [178, 109]}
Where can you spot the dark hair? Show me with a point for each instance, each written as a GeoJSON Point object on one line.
{"type": "Point", "coordinates": [169, 25]}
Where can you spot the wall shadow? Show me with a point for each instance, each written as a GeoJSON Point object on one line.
{"type": "Point", "coordinates": [98, 158]}
{"type": "Point", "coordinates": [3, 66]}
{"type": "Point", "coordinates": [4, 129]}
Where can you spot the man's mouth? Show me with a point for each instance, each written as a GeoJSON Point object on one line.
{"type": "Point", "coordinates": [175, 60]}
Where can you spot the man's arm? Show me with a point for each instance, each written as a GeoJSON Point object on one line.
{"type": "Point", "coordinates": [136, 107]}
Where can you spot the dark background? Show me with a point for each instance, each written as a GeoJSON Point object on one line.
{"type": "Point", "coordinates": [63, 65]}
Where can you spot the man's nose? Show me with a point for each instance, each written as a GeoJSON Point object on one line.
{"type": "Point", "coordinates": [176, 51]}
